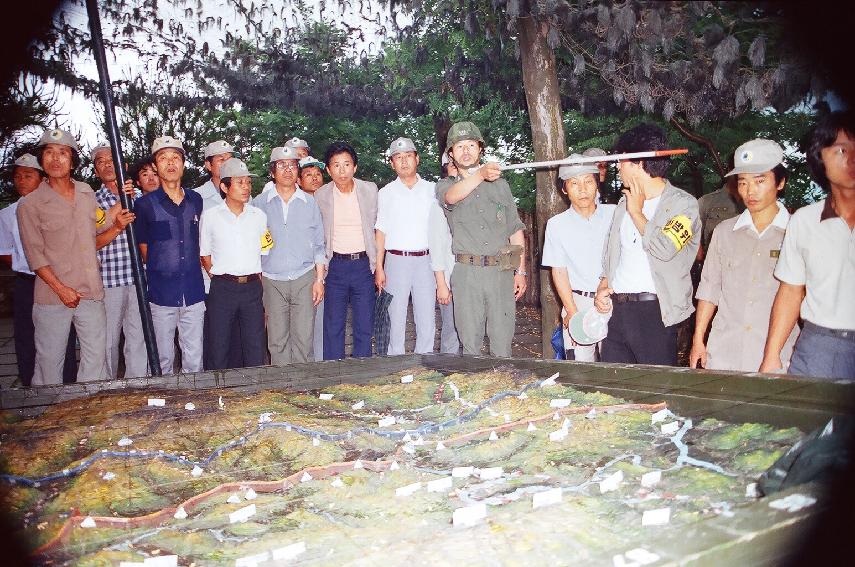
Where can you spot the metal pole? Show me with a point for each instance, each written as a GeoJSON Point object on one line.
{"type": "Point", "coordinates": [127, 203]}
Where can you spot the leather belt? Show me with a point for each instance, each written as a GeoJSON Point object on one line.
{"type": "Point", "coordinates": [625, 297]}
{"type": "Point", "coordinates": [406, 253]}
{"type": "Point", "coordinates": [354, 256]}
{"type": "Point", "coordinates": [25, 276]}
{"type": "Point", "coordinates": [238, 279]}
{"type": "Point", "coordinates": [473, 260]}
{"type": "Point", "coordinates": [585, 293]}
{"type": "Point", "coordinates": [839, 333]}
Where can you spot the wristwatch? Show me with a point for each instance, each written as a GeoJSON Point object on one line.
{"type": "Point", "coordinates": [520, 273]}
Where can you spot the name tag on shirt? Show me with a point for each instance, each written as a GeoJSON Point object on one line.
{"type": "Point", "coordinates": [774, 253]}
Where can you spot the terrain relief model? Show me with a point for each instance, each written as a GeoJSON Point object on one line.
{"type": "Point", "coordinates": [416, 468]}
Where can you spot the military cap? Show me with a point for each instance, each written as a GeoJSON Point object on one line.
{"type": "Point", "coordinates": [233, 167]}
{"type": "Point", "coordinates": [463, 131]}
{"type": "Point", "coordinates": [58, 136]}
{"type": "Point", "coordinates": [756, 156]}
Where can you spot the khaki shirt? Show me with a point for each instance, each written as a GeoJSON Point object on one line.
{"type": "Point", "coordinates": [714, 208]}
{"type": "Point", "coordinates": [61, 235]}
{"type": "Point", "coordinates": [483, 221]}
{"type": "Point", "coordinates": [737, 277]}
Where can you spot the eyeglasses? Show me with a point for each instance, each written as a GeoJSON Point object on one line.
{"type": "Point", "coordinates": [285, 166]}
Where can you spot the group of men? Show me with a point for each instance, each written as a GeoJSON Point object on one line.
{"type": "Point", "coordinates": [763, 269]}
{"type": "Point", "coordinates": [240, 278]}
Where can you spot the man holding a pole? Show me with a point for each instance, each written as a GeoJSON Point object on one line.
{"type": "Point", "coordinates": [120, 296]}
{"type": "Point", "coordinates": [650, 250]}
{"type": "Point", "coordinates": [488, 243]}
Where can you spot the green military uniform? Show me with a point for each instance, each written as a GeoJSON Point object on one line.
{"type": "Point", "coordinates": [714, 208]}
{"type": "Point", "coordinates": [483, 295]}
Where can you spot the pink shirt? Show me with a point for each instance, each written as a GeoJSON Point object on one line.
{"type": "Point", "coordinates": [61, 234]}
{"type": "Point", "coordinates": [347, 237]}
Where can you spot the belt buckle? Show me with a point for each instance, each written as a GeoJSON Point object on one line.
{"type": "Point", "coordinates": [242, 279]}
{"type": "Point", "coordinates": [354, 256]}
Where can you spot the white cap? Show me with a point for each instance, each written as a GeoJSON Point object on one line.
{"type": "Point", "coordinates": [28, 160]}
{"type": "Point", "coordinates": [283, 152]}
{"type": "Point", "coordinates": [296, 142]}
{"type": "Point", "coordinates": [217, 148]}
{"type": "Point", "coordinates": [98, 148]}
{"type": "Point", "coordinates": [233, 167]}
{"type": "Point", "coordinates": [399, 146]}
{"type": "Point", "coordinates": [58, 136]}
{"type": "Point", "coordinates": [756, 156]}
{"type": "Point", "coordinates": [565, 172]}
{"type": "Point", "coordinates": [166, 142]}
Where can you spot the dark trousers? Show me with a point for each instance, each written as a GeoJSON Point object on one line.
{"type": "Point", "coordinates": [349, 282]}
{"type": "Point", "coordinates": [25, 347]}
{"type": "Point", "coordinates": [235, 348]}
{"type": "Point", "coordinates": [235, 307]}
{"type": "Point", "coordinates": [637, 335]}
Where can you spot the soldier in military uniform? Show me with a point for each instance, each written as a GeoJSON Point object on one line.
{"type": "Point", "coordinates": [488, 244]}
{"type": "Point", "coordinates": [716, 207]}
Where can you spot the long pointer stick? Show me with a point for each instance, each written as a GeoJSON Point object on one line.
{"type": "Point", "coordinates": [594, 159]}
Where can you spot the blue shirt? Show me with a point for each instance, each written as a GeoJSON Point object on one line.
{"type": "Point", "coordinates": [172, 234]}
{"type": "Point", "coordinates": [298, 238]}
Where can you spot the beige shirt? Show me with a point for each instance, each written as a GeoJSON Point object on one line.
{"type": "Point", "coordinates": [61, 234]}
{"type": "Point", "coordinates": [347, 237]}
{"type": "Point", "coordinates": [737, 277]}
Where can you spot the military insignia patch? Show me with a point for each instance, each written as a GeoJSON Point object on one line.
{"type": "Point", "coordinates": [678, 230]}
{"type": "Point", "coordinates": [266, 241]}
{"type": "Point", "coordinates": [100, 217]}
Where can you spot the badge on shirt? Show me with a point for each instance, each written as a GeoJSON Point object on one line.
{"type": "Point", "coordinates": [678, 230]}
{"type": "Point", "coordinates": [774, 253]}
{"type": "Point", "coordinates": [266, 241]}
{"type": "Point", "coordinates": [100, 217]}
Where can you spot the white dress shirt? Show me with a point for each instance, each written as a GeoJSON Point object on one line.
{"type": "Point", "coordinates": [234, 243]}
{"type": "Point", "coordinates": [10, 239]}
{"type": "Point", "coordinates": [402, 214]}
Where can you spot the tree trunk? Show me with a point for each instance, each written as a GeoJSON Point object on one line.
{"type": "Point", "coordinates": [532, 293]}
{"type": "Point", "coordinates": [441, 126]}
{"type": "Point", "coordinates": [540, 80]}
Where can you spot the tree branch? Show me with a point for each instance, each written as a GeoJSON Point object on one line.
{"type": "Point", "coordinates": [704, 142]}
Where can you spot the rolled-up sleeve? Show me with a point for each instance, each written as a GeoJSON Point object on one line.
{"type": "Point", "coordinates": [442, 187]}
{"type": "Point", "coordinates": [31, 235]}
